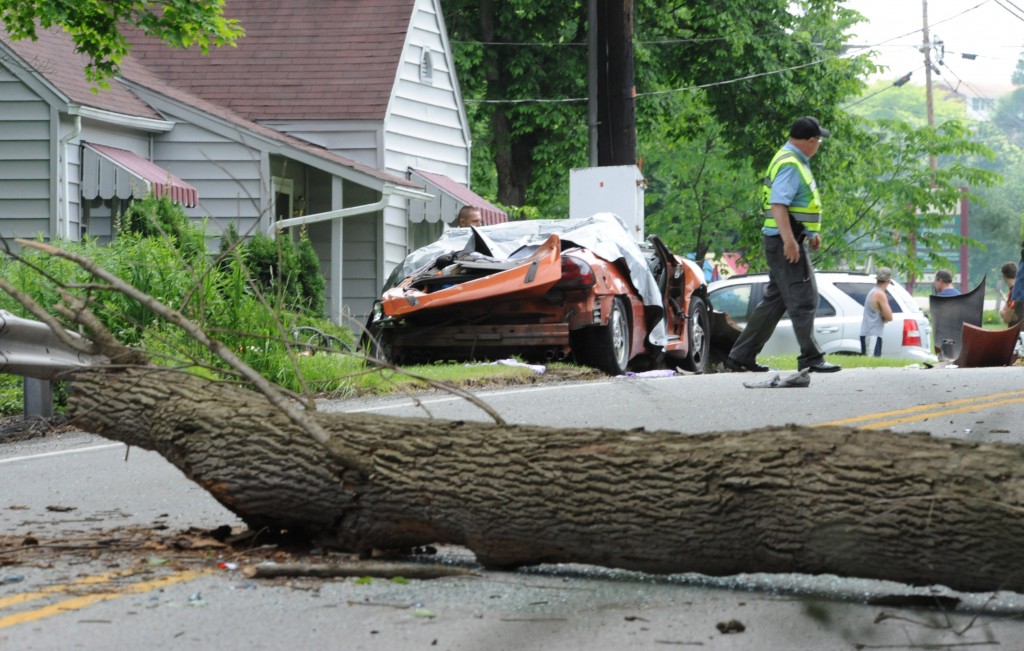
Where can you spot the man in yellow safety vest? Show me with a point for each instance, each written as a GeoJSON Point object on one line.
{"type": "Point", "coordinates": [792, 208]}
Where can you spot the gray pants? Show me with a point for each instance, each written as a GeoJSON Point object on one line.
{"type": "Point", "coordinates": [791, 287]}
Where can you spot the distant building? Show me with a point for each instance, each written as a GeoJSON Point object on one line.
{"type": "Point", "coordinates": [979, 98]}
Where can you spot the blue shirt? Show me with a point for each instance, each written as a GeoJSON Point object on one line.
{"type": "Point", "coordinates": [949, 291]}
{"type": "Point", "coordinates": [1018, 285]}
{"type": "Point", "coordinates": [788, 188]}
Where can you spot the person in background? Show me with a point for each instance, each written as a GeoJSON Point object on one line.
{"type": "Point", "coordinates": [876, 314]}
{"type": "Point", "coordinates": [943, 284]}
{"type": "Point", "coordinates": [469, 216]}
{"type": "Point", "coordinates": [792, 214]}
{"type": "Point", "coordinates": [1012, 311]}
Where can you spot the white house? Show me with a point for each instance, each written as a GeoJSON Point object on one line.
{"type": "Point", "coordinates": [344, 116]}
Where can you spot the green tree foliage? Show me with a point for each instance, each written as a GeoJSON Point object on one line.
{"type": "Point", "coordinates": [907, 103]}
{"type": "Point", "coordinates": [995, 213]}
{"type": "Point", "coordinates": [994, 201]}
{"type": "Point", "coordinates": [760, 64]}
{"type": "Point", "coordinates": [892, 205]}
{"type": "Point", "coordinates": [1009, 116]}
{"type": "Point", "coordinates": [96, 26]}
{"type": "Point", "coordinates": [523, 69]}
{"type": "Point", "coordinates": [700, 196]}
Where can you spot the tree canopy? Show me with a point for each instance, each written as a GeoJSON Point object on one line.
{"type": "Point", "coordinates": [717, 85]}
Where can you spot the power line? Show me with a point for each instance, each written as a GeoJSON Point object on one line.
{"type": "Point", "coordinates": [718, 83]}
{"type": "Point", "coordinates": [896, 84]}
{"type": "Point", "coordinates": [1011, 11]}
{"type": "Point", "coordinates": [661, 92]}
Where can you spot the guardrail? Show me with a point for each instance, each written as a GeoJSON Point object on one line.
{"type": "Point", "coordinates": [31, 349]}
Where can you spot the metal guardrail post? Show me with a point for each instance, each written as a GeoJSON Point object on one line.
{"type": "Point", "coordinates": [38, 398]}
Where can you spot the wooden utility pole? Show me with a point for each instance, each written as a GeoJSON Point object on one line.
{"type": "Point", "coordinates": [926, 47]}
{"type": "Point", "coordinates": [616, 111]}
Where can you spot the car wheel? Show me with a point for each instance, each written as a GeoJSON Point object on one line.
{"type": "Point", "coordinates": [698, 337]}
{"type": "Point", "coordinates": [376, 343]}
{"type": "Point", "coordinates": [608, 345]}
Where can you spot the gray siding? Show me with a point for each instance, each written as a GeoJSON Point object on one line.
{"type": "Point", "coordinates": [99, 221]}
{"type": "Point", "coordinates": [27, 201]}
{"type": "Point", "coordinates": [425, 127]}
{"type": "Point", "coordinates": [359, 269]}
{"type": "Point", "coordinates": [226, 174]}
{"type": "Point", "coordinates": [357, 140]}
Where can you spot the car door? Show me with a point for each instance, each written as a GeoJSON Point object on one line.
{"type": "Point", "coordinates": [738, 300]}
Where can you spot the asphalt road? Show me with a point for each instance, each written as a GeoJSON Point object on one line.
{"type": "Point", "coordinates": [974, 404]}
{"type": "Point", "coordinates": [78, 496]}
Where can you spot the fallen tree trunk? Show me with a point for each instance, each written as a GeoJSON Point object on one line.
{"type": "Point", "coordinates": [871, 504]}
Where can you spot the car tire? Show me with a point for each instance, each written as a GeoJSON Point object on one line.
{"type": "Point", "coordinates": [698, 335]}
{"type": "Point", "coordinates": [377, 345]}
{"type": "Point", "coordinates": [608, 346]}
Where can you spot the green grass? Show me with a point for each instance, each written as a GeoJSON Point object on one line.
{"type": "Point", "coordinates": [344, 376]}
{"type": "Point", "coordinates": [339, 376]}
{"type": "Point", "coordinates": [846, 361]}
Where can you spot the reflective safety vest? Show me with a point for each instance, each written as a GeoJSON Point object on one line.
{"type": "Point", "coordinates": [810, 215]}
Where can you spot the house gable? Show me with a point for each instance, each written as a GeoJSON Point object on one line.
{"type": "Point", "coordinates": [426, 124]}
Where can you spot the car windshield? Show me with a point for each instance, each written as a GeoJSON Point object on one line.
{"type": "Point", "coordinates": [859, 293]}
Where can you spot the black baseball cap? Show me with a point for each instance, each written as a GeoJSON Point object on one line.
{"type": "Point", "coordinates": [808, 127]}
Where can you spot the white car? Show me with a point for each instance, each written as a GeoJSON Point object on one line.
{"type": "Point", "coordinates": [837, 321]}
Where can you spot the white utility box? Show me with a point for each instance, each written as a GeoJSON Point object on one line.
{"type": "Point", "coordinates": [617, 189]}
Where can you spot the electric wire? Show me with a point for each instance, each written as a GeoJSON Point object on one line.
{"type": "Point", "coordinates": [880, 91]}
{"type": "Point", "coordinates": [856, 48]}
{"type": "Point", "coordinates": [1013, 13]}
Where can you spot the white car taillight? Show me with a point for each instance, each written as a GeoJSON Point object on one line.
{"type": "Point", "coordinates": [911, 333]}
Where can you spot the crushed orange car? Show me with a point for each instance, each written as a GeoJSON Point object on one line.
{"type": "Point", "coordinates": [545, 290]}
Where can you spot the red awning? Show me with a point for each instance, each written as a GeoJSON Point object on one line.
{"type": "Point", "coordinates": [109, 172]}
{"type": "Point", "coordinates": [453, 195]}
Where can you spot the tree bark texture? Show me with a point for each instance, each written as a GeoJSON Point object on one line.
{"type": "Point", "coordinates": [871, 504]}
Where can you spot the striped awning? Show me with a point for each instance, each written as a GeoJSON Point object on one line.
{"type": "Point", "coordinates": [108, 172]}
{"type": "Point", "coordinates": [449, 196]}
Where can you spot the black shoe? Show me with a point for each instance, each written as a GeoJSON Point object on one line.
{"type": "Point", "coordinates": [822, 367]}
{"type": "Point", "coordinates": [744, 367]}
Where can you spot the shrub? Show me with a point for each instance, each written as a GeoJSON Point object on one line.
{"type": "Point", "coordinates": [160, 252]}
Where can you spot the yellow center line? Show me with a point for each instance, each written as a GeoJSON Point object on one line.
{"type": "Point", "coordinates": [77, 603]}
{"type": "Point", "coordinates": [924, 412]}
{"type": "Point", "coordinates": [64, 587]}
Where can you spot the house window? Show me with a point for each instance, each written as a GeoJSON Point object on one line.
{"type": "Point", "coordinates": [427, 66]}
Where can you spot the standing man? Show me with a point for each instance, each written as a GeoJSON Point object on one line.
{"type": "Point", "coordinates": [944, 284]}
{"type": "Point", "coordinates": [1012, 311]}
{"type": "Point", "coordinates": [792, 209]}
{"type": "Point", "coordinates": [877, 313]}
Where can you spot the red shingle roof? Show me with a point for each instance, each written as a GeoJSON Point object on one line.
{"type": "Point", "coordinates": [53, 56]}
{"type": "Point", "coordinates": [326, 59]}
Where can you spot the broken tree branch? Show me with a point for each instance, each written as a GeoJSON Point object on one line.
{"type": "Point", "coordinates": [372, 569]}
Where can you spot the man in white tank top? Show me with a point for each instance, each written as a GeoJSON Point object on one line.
{"type": "Point", "coordinates": [876, 314]}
